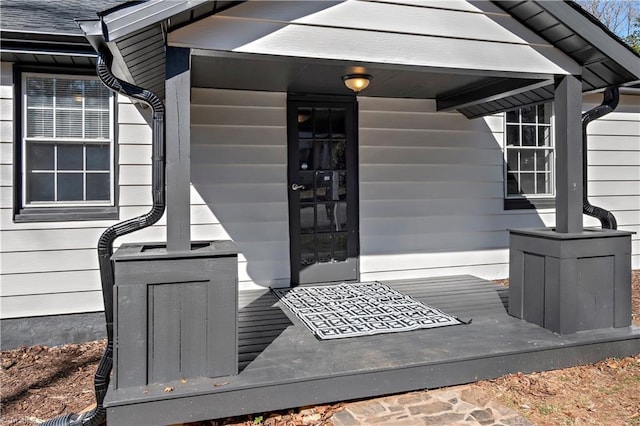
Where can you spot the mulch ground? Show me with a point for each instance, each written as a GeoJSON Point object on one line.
{"type": "Point", "coordinates": [38, 383]}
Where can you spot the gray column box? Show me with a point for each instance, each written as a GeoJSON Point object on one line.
{"type": "Point", "coordinates": [175, 313]}
{"type": "Point", "coordinates": [570, 282]}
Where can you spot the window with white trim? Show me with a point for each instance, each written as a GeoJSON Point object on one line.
{"type": "Point", "coordinates": [67, 149]}
{"type": "Point", "coordinates": [529, 154]}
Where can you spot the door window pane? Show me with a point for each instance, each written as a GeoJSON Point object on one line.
{"type": "Point", "coordinates": [340, 247]}
{"type": "Point", "coordinates": [323, 155]}
{"type": "Point", "coordinates": [321, 123]}
{"type": "Point", "coordinates": [305, 153]}
{"type": "Point", "coordinates": [324, 217]}
{"type": "Point", "coordinates": [324, 245]}
{"type": "Point", "coordinates": [307, 250]}
{"type": "Point", "coordinates": [306, 180]}
{"type": "Point", "coordinates": [307, 215]}
{"type": "Point", "coordinates": [337, 123]}
{"type": "Point", "coordinates": [305, 123]}
{"type": "Point", "coordinates": [338, 156]}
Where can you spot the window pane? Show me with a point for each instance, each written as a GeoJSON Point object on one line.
{"type": "Point", "coordinates": [543, 160]}
{"type": "Point", "coordinates": [512, 184]}
{"type": "Point", "coordinates": [544, 136]}
{"type": "Point", "coordinates": [527, 183]}
{"type": "Point", "coordinates": [512, 116]}
{"type": "Point", "coordinates": [337, 123]}
{"type": "Point", "coordinates": [98, 157]}
{"type": "Point", "coordinates": [321, 122]}
{"type": "Point", "coordinates": [544, 114]}
{"type": "Point", "coordinates": [69, 93]}
{"type": "Point", "coordinates": [68, 124]}
{"type": "Point", "coordinates": [512, 160]}
{"type": "Point", "coordinates": [70, 157]}
{"type": "Point", "coordinates": [39, 92]}
{"type": "Point", "coordinates": [513, 135]}
{"type": "Point", "coordinates": [98, 186]}
{"type": "Point", "coordinates": [526, 160]}
{"type": "Point", "coordinates": [543, 183]}
{"type": "Point", "coordinates": [40, 187]}
{"type": "Point", "coordinates": [528, 135]}
{"type": "Point", "coordinates": [96, 125]}
{"type": "Point", "coordinates": [96, 95]}
{"type": "Point", "coordinates": [529, 114]}
{"type": "Point", "coordinates": [39, 123]}
{"type": "Point", "coordinates": [70, 187]}
{"type": "Point", "coordinates": [40, 156]}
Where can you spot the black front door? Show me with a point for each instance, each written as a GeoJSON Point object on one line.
{"type": "Point", "coordinates": [323, 189]}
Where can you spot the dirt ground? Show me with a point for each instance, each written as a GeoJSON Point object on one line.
{"type": "Point", "coordinates": [38, 383]}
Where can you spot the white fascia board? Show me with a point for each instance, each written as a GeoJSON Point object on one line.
{"type": "Point", "coordinates": [124, 22]}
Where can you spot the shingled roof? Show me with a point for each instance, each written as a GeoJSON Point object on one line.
{"type": "Point", "coordinates": [45, 32]}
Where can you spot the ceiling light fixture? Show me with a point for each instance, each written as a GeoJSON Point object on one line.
{"type": "Point", "coordinates": [356, 82]}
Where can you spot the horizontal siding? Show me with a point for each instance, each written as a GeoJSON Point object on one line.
{"type": "Point", "coordinates": [51, 268]}
{"type": "Point", "coordinates": [239, 178]}
{"type": "Point", "coordinates": [430, 186]}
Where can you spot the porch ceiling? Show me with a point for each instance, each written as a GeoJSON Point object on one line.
{"type": "Point", "coordinates": [294, 75]}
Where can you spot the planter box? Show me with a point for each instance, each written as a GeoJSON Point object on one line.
{"type": "Point", "coordinates": [570, 282]}
{"type": "Point", "coordinates": [175, 313]}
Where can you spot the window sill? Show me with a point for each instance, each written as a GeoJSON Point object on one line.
{"type": "Point", "coordinates": [65, 214]}
{"type": "Point", "coordinates": [529, 203]}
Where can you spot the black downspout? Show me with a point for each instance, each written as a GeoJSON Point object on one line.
{"type": "Point", "coordinates": [98, 416]}
{"type": "Point", "coordinates": [609, 103]}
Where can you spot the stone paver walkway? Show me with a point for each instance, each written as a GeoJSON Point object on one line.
{"type": "Point", "coordinates": [460, 405]}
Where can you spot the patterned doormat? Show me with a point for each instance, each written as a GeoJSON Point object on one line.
{"type": "Point", "coordinates": [359, 309]}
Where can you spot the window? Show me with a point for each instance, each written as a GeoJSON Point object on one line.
{"type": "Point", "coordinates": [66, 148]}
{"type": "Point", "coordinates": [529, 158]}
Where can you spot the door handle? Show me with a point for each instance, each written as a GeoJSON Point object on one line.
{"type": "Point", "coordinates": [297, 187]}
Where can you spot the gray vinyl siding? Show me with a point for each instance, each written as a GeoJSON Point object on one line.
{"type": "Point", "coordinates": [431, 195]}
{"type": "Point", "coordinates": [614, 165]}
{"type": "Point", "coordinates": [239, 179]}
{"type": "Point", "coordinates": [50, 268]}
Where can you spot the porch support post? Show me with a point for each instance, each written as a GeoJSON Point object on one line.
{"type": "Point", "coordinates": [178, 140]}
{"type": "Point", "coordinates": [568, 133]}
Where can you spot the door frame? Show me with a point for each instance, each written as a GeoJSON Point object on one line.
{"type": "Point", "coordinates": [353, 197]}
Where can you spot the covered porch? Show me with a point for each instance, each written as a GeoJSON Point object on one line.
{"type": "Point", "coordinates": [476, 58]}
{"type": "Point", "coordinates": [282, 364]}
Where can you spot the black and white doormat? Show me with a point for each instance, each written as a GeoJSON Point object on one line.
{"type": "Point", "coordinates": [360, 309]}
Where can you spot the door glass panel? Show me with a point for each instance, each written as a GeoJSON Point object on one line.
{"type": "Point", "coordinates": [340, 216]}
{"type": "Point", "coordinates": [340, 246]}
{"type": "Point", "coordinates": [342, 186]}
{"type": "Point", "coordinates": [306, 180]}
{"type": "Point", "coordinates": [324, 186]}
{"type": "Point", "coordinates": [307, 215]}
{"type": "Point", "coordinates": [338, 160]}
{"type": "Point", "coordinates": [305, 123]}
{"type": "Point", "coordinates": [324, 244]}
{"type": "Point", "coordinates": [307, 249]}
{"type": "Point", "coordinates": [321, 123]}
{"type": "Point", "coordinates": [323, 155]}
{"type": "Point", "coordinates": [337, 123]}
{"type": "Point", "coordinates": [324, 217]}
{"type": "Point", "coordinates": [305, 150]}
